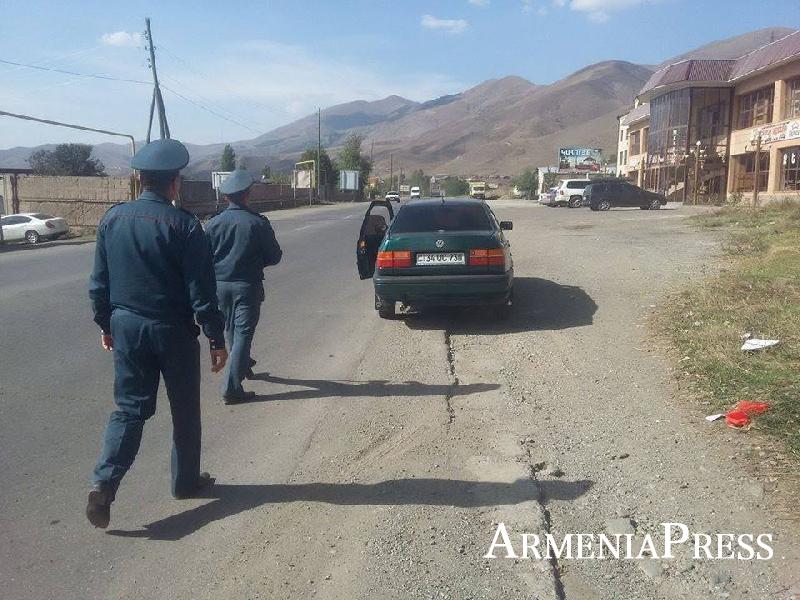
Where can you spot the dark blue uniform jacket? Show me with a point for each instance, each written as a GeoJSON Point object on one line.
{"type": "Point", "coordinates": [243, 243]}
{"type": "Point", "coordinates": [154, 260]}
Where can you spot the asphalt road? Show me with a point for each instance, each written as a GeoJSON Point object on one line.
{"type": "Point", "coordinates": [380, 455]}
{"type": "Point", "coordinates": [55, 397]}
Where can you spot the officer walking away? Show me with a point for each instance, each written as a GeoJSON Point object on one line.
{"type": "Point", "coordinates": [153, 276]}
{"type": "Point", "coordinates": [243, 244]}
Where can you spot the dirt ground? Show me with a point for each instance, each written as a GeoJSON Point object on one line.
{"type": "Point", "coordinates": [565, 419]}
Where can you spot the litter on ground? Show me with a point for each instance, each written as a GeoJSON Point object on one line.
{"type": "Point", "coordinates": [740, 415]}
{"type": "Point", "coordinates": [756, 344]}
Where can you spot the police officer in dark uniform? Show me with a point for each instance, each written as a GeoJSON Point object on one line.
{"type": "Point", "coordinates": [153, 277]}
{"type": "Point", "coordinates": [243, 244]}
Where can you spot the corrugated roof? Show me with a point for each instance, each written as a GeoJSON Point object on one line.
{"type": "Point", "coordinates": [775, 52]}
{"type": "Point", "coordinates": [690, 70]}
{"type": "Point", "coordinates": [726, 71]}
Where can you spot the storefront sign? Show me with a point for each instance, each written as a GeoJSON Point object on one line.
{"type": "Point", "coordinates": [788, 130]}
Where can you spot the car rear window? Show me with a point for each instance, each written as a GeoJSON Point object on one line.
{"type": "Point", "coordinates": [441, 217]}
{"type": "Point", "coordinates": [42, 216]}
{"type": "Point", "coordinates": [577, 185]}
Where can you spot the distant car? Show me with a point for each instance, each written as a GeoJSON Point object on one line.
{"type": "Point", "coordinates": [393, 196]}
{"type": "Point", "coordinates": [570, 192]}
{"type": "Point", "coordinates": [607, 194]}
{"type": "Point", "coordinates": [436, 253]}
{"type": "Point", "coordinates": [415, 193]}
{"type": "Point", "coordinates": [549, 197]}
{"type": "Point", "coordinates": [32, 227]}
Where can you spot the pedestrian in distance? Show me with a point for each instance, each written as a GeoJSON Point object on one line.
{"type": "Point", "coordinates": [243, 244]}
{"type": "Point", "coordinates": [153, 277]}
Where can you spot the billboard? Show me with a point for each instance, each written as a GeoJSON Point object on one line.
{"type": "Point", "coordinates": [302, 180]}
{"type": "Point", "coordinates": [580, 160]}
{"type": "Point", "coordinates": [348, 180]}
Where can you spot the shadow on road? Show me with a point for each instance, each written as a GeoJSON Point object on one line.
{"type": "Point", "coordinates": [323, 388]}
{"type": "Point", "coordinates": [539, 304]}
{"type": "Point", "coordinates": [230, 500]}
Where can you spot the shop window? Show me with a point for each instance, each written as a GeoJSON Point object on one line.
{"type": "Point", "coordinates": [791, 168]}
{"type": "Point", "coordinates": [746, 172]}
{"type": "Point", "coordinates": [792, 109]}
{"type": "Point", "coordinates": [755, 108]}
{"type": "Point", "coordinates": [634, 141]}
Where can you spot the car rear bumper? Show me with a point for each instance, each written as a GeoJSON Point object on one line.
{"type": "Point", "coordinates": [445, 290]}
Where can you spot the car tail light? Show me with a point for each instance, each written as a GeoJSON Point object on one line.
{"type": "Point", "coordinates": [49, 225]}
{"type": "Point", "coordinates": [490, 256]}
{"type": "Point", "coordinates": [393, 259]}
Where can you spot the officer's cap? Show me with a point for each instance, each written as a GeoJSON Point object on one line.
{"type": "Point", "coordinates": [161, 155]}
{"type": "Point", "coordinates": [238, 181]}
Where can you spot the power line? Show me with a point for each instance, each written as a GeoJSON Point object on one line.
{"type": "Point", "coordinates": [209, 110]}
{"type": "Point", "coordinates": [75, 73]}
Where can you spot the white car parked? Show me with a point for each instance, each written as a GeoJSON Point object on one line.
{"type": "Point", "coordinates": [415, 193]}
{"type": "Point", "coordinates": [392, 196]}
{"type": "Point", "coordinates": [570, 192]}
{"type": "Point", "coordinates": [32, 227]}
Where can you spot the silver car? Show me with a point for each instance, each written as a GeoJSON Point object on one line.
{"type": "Point", "coordinates": [32, 227]}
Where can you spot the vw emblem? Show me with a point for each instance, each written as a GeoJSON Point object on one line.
{"type": "Point", "coordinates": [440, 243]}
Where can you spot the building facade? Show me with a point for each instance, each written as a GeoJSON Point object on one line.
{"type": "Point", "coordinates": [717, 127]}
{"type": "Point", "coordinates": [634, 127]}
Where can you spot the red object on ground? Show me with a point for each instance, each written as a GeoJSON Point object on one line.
{"type": "Point", "coordinates": [739, 415]}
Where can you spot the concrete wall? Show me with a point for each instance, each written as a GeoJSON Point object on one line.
{"type": "Point", "coordinates": [82, 201]}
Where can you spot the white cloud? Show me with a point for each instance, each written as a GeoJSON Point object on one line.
{"type": "Point", "coordinates": [122, 39]}
{"type": "Point", "coordinates": [599, 10]}
{"type": "Point", "coordinates": [446, 25]}
{"type": "Point", "coordinates": [479, 2]}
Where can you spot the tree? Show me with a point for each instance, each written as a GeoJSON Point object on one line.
{"type": "Point", "coordinates": [527, 183]}
{"type": "Point", "coordinates": [266, 173]}
{"type": "Point", "coordinates": [67, 159]}
{"type": "Point", "coordinates": [328, 171]}
{"type": "Point", "coordinates": [550, 180]}
{"type": "Point", "coordinates": [228, 160]}
{"type": "Point", "coordinates": [455, 186]}
{"type": "Point", "coordinates": [420, 180]}
{"type": "Point", "coordinates": [242, 163]}
{"type": "Point", "coordinates": [351, 158]}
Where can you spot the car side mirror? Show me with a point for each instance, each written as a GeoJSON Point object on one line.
{"type": "Point", "coordinates": [506, 225]}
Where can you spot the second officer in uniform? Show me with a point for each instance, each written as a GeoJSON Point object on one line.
{"type": "Point", "coordinates": [243, 244]}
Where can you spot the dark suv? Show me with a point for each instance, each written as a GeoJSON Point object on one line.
{"type": "Point", "coordinates": [603, 195]}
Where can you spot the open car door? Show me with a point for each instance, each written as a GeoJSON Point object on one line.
{"type": "Point", "coordinates": [376, 221]}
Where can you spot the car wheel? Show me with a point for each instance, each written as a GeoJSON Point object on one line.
{"type": "Point", "coordinates": [603, 205]}
{"type": "Point", "coordinates": [32, 237]}
{"type": "Point", "coordinates": [575, 202]}
{"type": "Point", "coordinates": [655, 204]}
{"type": "Point", "coordinates": [593, 207]}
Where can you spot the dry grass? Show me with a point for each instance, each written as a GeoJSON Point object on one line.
{"type": "Point", "coordinates": [758, 294]}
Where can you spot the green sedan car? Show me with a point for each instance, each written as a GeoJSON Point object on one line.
{"type": "Point", "coordinates": [436, 253]}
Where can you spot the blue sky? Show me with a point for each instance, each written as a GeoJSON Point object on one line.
{"type": "Point", "coordinates": [263, 64]}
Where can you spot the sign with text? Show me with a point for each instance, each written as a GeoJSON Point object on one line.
{"type": "Point", "coordinates": [580, 160]}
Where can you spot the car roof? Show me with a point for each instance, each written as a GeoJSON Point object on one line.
{"type": "Point", "coordinates": [22, 215]}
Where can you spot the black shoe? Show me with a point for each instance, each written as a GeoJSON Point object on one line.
{"type": "Point", "coordinates": [204, 481]}
{"type": "Point", "coordinates": [98, 506]}
{"type": "Point", "coordinates": [238, 398]}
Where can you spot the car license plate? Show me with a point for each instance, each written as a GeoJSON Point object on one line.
{"type": "Point", "coordinates": [441, 258]}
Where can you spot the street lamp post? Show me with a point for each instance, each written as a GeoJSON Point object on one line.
{"type": "Point", "coordinates": [697, 151]}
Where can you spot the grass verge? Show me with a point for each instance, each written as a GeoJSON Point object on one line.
{"type": "Point", "coordinates": [758, 293]}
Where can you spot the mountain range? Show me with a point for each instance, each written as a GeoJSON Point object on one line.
{"type": "Point", "coordinates": [497, 127]}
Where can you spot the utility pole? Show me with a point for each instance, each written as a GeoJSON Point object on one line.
{"type": "Point", "coordinates": [391, 171]}
{"type": "Point", "coordinates": [757, 170]}
{"type": "Point", "coordinates": [319, 149]}
{"type": "Point", "coordinates": [157, 102]}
